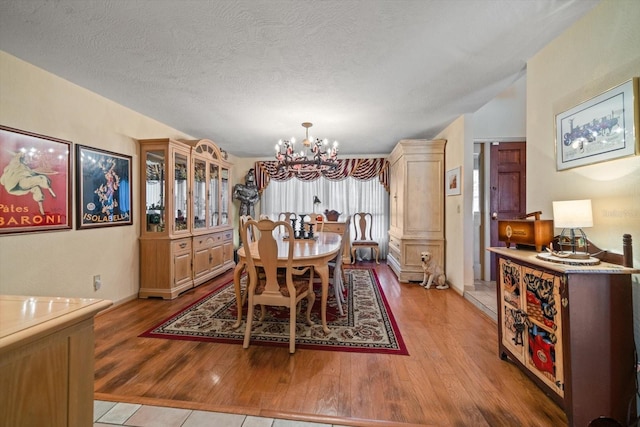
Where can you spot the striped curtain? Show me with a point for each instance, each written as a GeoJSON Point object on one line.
{"type": "Point", "coordinates": [361, 169]}
{"type": "Point", "coordinates": [354, 187]}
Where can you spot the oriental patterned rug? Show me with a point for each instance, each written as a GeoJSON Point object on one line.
{"type": "Point", "coordinates": [367, 326]}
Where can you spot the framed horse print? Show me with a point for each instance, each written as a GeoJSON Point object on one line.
{"type": "Point", "coordinates": [35, 182]}
{"type": "Point", "coordinates": [103, 188]}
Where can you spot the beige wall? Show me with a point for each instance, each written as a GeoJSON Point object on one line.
{"type": "Point", "coordinates": [596, 54]}
{"type": "Point", "coordinates": [458, 208]}
{"type": "Point", "coordinates": [63, 263]}
{"type": "Point", "coordinates": [599, 52]}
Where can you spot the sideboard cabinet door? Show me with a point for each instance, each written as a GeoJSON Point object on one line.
{"type": "Point", "coordinates": [570, 329]}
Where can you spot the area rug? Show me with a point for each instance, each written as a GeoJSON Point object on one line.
{"type": "Point", "coordinates": [367, 326]}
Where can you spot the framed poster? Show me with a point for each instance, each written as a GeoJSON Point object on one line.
{"type": "Point", "coordinates": [453, 183]}
{"type": "Point", "coordinates": [103, 188]}
{"type": "Point", "coordinates": [603, 128]}
{"type": "Point", "coordinates": [35, 182]}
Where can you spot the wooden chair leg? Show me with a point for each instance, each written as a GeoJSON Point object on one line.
{"type": "Point", "coordinates": [292, 328]}
{"type": "Point", "coordinates": [338, 286]}
{"type": "Point", "coordinates": [247, 331]}
{"type": "Point", "coordinates": [377, 251]}
{"type": "Point", "coordinates": [311, 297]}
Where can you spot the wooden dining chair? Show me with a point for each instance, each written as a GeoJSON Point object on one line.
{"type": "Point", "coordinates": [285, 216]}
{"type": "Point", "coordinates": [318, 223]}
{"type": "Point", "coordinates": [363, 223]}
{"type": "Point", "coordinates": [251, 232]}
{"type": "Point", "coordinates": [284, 289]}
{"type": "Point", "coordinates": [336, 269]}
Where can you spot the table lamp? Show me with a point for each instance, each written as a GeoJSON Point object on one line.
{"type": "Point", "coordinates": [572, 216]}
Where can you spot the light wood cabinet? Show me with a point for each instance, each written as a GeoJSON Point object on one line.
{"type": "Point", "coordinates": [186, 238]}
{"type": "Point", "coordinates": [47, 361]}
{"type": "Point", "coordinates": [570, 329]}
{"type": "Point", "coordinates": [416, 223]}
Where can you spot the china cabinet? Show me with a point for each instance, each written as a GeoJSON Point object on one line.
{"type": "Point", "coordinates": [186, 236]}
{"type": "Point", "coordinates": [570, 329]}
{"type": "Point", "coordinates": [211, 227]}
{"type": "Point", "coordinates": [416, 223]}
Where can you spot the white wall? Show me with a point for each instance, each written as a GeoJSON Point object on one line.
{"type": "Point", "coordinates": [63, 263]}
{"type": "Point", "coordinates": [503, 118]}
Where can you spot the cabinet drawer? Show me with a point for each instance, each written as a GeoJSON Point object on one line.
{"type": "Point", "coordinates": [394, 244]}
{"type": "Point", "coordinates": [183, 245]}
{"type": "Point", "coordinates": [395, 252]}
{"type": "Point", "coordinates": [333, 228]}
{"type": "Point", "coordinates": [207, 241]}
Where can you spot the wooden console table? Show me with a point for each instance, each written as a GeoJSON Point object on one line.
{"type": "Point", "coordinates": [47, 360]}
{"type": "Point", "coordinates": [570, 329]}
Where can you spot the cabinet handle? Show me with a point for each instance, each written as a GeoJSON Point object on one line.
{"type": "Point", "coordinates": [565, 302]}
{"type": "Point", "coordinates": [183, 245]}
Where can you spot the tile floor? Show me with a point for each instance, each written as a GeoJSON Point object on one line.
{"type": "Point", "coordinates": [484, 297]}
{"type": "Point", "coordinates": [129, 414]}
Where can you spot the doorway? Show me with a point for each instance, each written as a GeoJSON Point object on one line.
{"type": "Point", "coordinates": [499, 192]}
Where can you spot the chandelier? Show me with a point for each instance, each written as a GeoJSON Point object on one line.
{"type": "Point", "coordinates": [313, 156]}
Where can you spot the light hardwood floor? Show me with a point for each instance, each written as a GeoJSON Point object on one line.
{"type": "Point", "coordinates": [452, 377]}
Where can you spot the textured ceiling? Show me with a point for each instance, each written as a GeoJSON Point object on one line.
{"type": "Point", "coordinates": [245, 73]}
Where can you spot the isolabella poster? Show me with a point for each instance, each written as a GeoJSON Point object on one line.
{"type": "Point", "coordinates": [104, 188]}
{"type": "Point", "coordinates": [34, 182]}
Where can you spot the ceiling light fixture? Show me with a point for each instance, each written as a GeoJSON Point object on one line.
{"type": "Point", "coordinates": [314, 156]}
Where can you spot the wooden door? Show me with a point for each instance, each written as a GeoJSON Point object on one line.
{"type": "Point", "coordinates": [507, 187]}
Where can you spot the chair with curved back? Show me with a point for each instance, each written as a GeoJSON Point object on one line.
{"type": "Point", "coordinates": [363, 223]}
{"type": "Point", "coordinates": [318, 223]}
{"type": "Point", "coordinates": [285, 216]}
{"type": "Point", "coordinates": [251, 232]}
{"type": "Point", "coordinates": [285, 289]}
{"type": "Point", "coordinates": [336, 269]}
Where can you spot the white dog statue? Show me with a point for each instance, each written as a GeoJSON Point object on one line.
{"type": "Point", "coordinates": [432, 272]}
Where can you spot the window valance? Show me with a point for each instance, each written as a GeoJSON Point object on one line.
{"type": "Point", "coordinates": [363, 169]}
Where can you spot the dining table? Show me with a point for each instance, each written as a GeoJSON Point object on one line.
{"type": "Point", "coordinates": [315, 252]}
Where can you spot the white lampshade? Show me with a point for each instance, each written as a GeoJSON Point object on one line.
{"type": "Point", "coordinates": [572, 214]}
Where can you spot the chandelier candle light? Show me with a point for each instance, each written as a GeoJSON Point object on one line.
{"type": "Point", "coordinates": [314, 156]}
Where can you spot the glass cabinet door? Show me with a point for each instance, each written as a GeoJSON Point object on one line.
{"type": "Point", "coordinates": [214, 211]}
{"type": "Point", "coordinates": [199, 194]}
{"type": "Point", "coordinates": [224, 196]}
{"type": "Point", "coordinates": [180, 193]}
{"type": "Point", "coordinates": [215, 195]}
{"type": "Point", "coordinates": [155, 190]}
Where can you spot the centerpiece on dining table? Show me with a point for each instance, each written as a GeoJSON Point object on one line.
{"type": "Point", "coordinates": [303, 230]}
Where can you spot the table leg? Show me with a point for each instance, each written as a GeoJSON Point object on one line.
{"type": "Point", "coordinates": [237, 273]}
{"type": "Point", "coordinates": [323, 273]}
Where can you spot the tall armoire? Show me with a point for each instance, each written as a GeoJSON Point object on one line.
{"type": "Point", "coordinates": [416, 178]}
